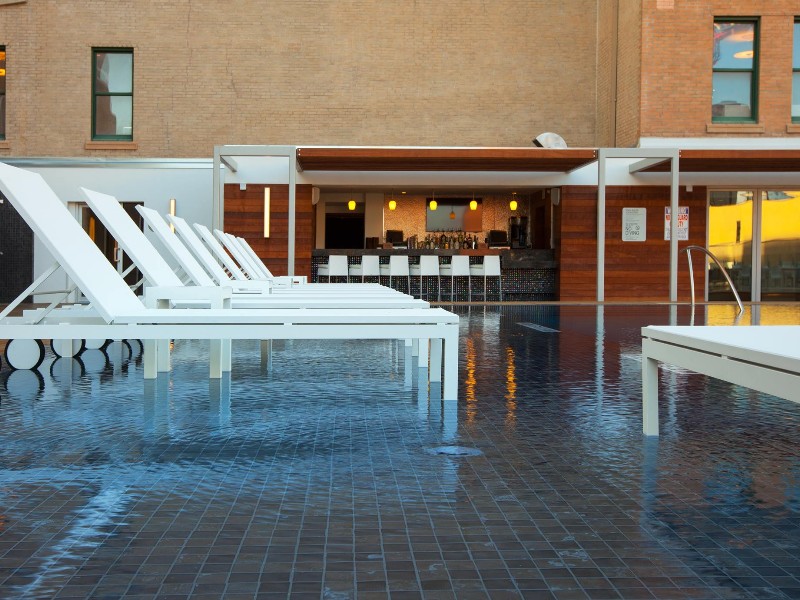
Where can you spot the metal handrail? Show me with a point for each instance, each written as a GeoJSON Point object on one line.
{"type": "Point", "coordinates": [721, 268]}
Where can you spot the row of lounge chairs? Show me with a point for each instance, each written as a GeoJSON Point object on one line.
{"type": "Point", "coordinates": [215, 297]}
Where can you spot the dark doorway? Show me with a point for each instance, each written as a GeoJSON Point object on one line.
{"type": "Point", "coordinates": [344, 231]}
{"type": "Point", "coordinates": [541, 230]}
{"type": "Point", "coordinates": [106, 242]}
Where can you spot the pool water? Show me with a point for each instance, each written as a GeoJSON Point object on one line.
{"type": "Point", "coordinates": [333, 470]}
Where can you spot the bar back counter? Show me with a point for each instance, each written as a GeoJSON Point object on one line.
{"type": "Point", "coordinates": [526, 274]}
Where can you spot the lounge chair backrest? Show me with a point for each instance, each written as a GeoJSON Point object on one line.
{"type": "Point", "coordinates": [175, 247]}
{"type": "Point", "coordinates": [244, 261]}
{"type": "Point", "coordinates": [219, 252]}
{"type": "Point", "coordinates": [131, 239]}
{"type": "Point", "coordinates": [259, 271]}
{"type": "Point", "coordinates": [249, 249]}
{"type": "Point", "coordinates": [198, 248]}
{"type": "Point", "coordinates": [69, 244]}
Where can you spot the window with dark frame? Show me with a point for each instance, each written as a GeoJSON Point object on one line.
{"type": "Point", "coordinates": [735, 71]}
{"type": "Point", "coordinates": [112, 94]}
{"type": "Point", "coordinates": [2, 92]}
{"type": "Point", "coordinates": [796, 73]}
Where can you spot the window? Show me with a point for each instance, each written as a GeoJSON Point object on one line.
{"type": "Point", "coordinates": [112, 94]}
{"type": "Point", "coordinates": [796, 74]}
{"type": "Point", "coordinates": [2, 92]}
{"type": "Point", "coordinates": [734, 81]}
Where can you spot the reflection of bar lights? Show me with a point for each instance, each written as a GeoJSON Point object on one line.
{"type": "Point", "coordinates": [173, 211]}
{"type": "Point", "coordinates": [470, 381]}
{"type": "Point", "coordinates": [511, 388]}
{"type": "Point", "coordinates": [266, 212]}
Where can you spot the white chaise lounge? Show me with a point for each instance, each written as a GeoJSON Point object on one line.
{"type": "Point", "coordinates": [121, 315]}
{"type": "Point", "coordinates": [764, 358]}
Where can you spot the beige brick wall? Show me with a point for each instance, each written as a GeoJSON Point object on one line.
{"type": "Point", "coordinates": [677, 65]}
{"type": "Point", "coordinates": [629, 73]}
{"type": "Point", "coordinates": [395, 72]}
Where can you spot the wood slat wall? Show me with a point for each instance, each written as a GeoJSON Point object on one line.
{"type": "Point", "coordinates": [244, 216]}
{"type": "Point", "coordinates": [633, 270]}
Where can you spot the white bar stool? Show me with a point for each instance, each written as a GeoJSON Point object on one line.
{"type": "Point", "coordinates": [336, 267]}
{"type": "Point", "coordinates": [458, 267]}
{"type": "Point", "coordinates": [489, 268]}
{"type": "Point", "coordinates": [428, 267]}
{"type": "Point", "coordinates": [369, 267]}
{"type": "Point", "coordinates": [397, 267]}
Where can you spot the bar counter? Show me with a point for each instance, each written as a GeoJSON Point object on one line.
{"type": "Point", "coordinates": [527, 274]}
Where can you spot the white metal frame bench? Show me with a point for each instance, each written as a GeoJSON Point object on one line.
{"type": "Point", "coordinates": [763, 358]}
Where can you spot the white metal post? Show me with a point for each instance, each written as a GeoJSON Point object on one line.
{"type": "Point", "coordinates": [601, 225]}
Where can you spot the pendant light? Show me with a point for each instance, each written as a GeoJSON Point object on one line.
{"type": "Point", "coordinates": [351, 205]}
{"type": "Point", "coordinates": [452, 214]}
{"type": "Point", "coordinates": [433, 205]}
{"type": "Point", "coordinates": [392, 203]}
{"type": "Point", "coordinates": [473, 205]}
{"type": "Point", "coordinates": [513, 204]}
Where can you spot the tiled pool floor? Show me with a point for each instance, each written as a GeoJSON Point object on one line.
{"type": "Point", "coordinates": [334, 473]}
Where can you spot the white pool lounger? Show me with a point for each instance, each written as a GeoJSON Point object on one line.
{"type": "Point", "coordinates": [763, 358]}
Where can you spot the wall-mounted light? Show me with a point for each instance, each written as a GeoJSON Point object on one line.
{"type": "Point", "coordinates": [513, 204]}
{"type": "Point", "coordinates": [173, 210]}
{"type": "Point", "coordinates": [351, 205]}
{"type": "Point", "coordinates": [266, 212]}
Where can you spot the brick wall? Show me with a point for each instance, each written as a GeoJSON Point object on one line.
{"type": "Point", "coordinates": [431, 72]}
{"type": "Point", "coordinates": [677, 65]}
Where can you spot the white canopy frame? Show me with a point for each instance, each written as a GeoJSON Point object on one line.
{"type": "Point", "coordinates": [648, 157]}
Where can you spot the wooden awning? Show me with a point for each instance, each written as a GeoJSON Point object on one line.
{"type": "Point", "coordinates": [444, 159]}
{"type": "Point", "coordinates": [731, 161]}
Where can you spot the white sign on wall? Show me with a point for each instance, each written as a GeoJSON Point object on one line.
{"type": "Point", "coordinates": [634, 224]}
{"type": "Point", "coordinates": [683, 222]}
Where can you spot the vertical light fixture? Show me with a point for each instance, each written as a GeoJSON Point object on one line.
{"type": "Point", "coordinates": [513, 204]}
{"type": "Point", "coordinates": [173, 204]}
{"type": "Point", "coordinates": [266, 211]}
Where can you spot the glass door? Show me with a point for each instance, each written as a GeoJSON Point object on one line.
{"type": "Point", "coordinates": [780, 245]}
{"type": "Point", "coordinates": [730, 239]}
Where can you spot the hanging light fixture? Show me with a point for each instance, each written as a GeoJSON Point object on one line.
{"type": "Point", "coordinates": [513, 204]}
{"type": "Point", "coordinates": [452, 214]}
{"type": "Point", "coordinates": [433, 205]}
{"type": "Point", "coordinates": [392, 203]}
{"type": "Point", "coordinates": [473, 205]}
{"type": "Point", "coordinates": [351, 205]}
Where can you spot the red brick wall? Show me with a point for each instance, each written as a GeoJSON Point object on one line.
{"type": "Point", "coordinates": [677, 49]}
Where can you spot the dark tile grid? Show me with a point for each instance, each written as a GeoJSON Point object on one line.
{"type": "Point", "coordinates": [284, 486]}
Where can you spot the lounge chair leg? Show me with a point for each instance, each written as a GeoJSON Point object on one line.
{"type": "Point", "coordinates": [150, 359]}
{"type": "Point", "coordinates": [423, 353]}
{"type": "Point", "coordinates": [266, 354]}
{"type": "Point", "coordinates": [227, 361]}
{"type": "Point", "coordinates": [163, 359]}
{"type": "Point", "coordinates": [436, 360]}
{"type": "Point", "coordinates": [450, 391]}
{"type": "Point", "coordinates": [649, 395]}
{"type": "Point", "coordinates": [215, 360]}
